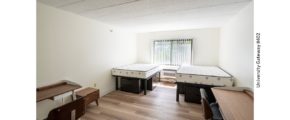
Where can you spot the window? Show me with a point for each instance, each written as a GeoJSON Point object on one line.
{"type": "Point", "coordinates": [172, 52]}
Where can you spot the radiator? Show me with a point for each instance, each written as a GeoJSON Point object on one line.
{"type": "Point", "coordinates": [168, 74]}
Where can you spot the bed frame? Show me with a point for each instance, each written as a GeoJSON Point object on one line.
{"type": "Point", "coordinates": [143, 83]}
{"type": "Point", "coordinates": [190, 85]}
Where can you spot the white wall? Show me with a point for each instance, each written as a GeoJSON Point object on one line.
{"type": "Point", "coordinates": [236, 47]}
{"type": "Point", "coordinates": [79, 49]}
{"type": "Point", "coordinates": [205, 45]}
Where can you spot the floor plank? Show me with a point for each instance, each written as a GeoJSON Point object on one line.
{"type": "Point", "coordinates": [158, 104]}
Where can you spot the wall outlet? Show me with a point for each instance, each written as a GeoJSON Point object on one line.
{"type": "Point", "coordinates": [95, 84]}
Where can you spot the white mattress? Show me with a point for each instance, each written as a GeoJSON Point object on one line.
{"type": "Point", "coordinates": [203, 70]}
{"type": "Point", "coordinates": [136, 70]}
{"type": "Point", "coordinates": [209, 75]}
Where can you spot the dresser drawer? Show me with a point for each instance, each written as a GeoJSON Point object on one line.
{"type": "Point", "coordinates": [91, 97]}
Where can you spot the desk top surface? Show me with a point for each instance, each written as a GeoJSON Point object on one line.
{"type": "Point", "coordinates": [51, 91]}
{"type": "Point", "coordinates": [235, 105]}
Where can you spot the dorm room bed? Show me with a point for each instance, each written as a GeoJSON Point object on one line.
{"type": "Point", "coordinates": [142, 73]}
{"type": "Point", "coordinates": [191, 78]}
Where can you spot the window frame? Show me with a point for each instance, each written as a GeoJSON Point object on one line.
{"type": "Point", "coordinates": [171, 43]}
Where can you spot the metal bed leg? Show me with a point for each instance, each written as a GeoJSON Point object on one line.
{"type": "Point", "coordinates": [145, 86]}
{"type": "Point", "coordinates": [160, 76]}
{"type": "Point", "coordinates": [177, 93]}
{"type": "Point", "coordinates": [117, 83]}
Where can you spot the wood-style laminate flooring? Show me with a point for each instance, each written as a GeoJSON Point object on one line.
{"type": "Point", "coordinates": [158, 104]}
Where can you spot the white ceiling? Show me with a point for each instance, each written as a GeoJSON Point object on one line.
{"type": "Point", "coordinates": [154, 15]}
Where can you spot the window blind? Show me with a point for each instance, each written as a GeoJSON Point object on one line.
{"type": "Point", "coordinates": [172, 52]}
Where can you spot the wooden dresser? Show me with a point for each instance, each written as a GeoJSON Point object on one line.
{"type": "Point", "coordinates": [90, 95]}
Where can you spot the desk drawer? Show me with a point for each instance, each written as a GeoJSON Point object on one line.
{"type": "Point", "coordinates": [91, 97]}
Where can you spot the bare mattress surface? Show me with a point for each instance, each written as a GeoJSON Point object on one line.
{"type": "Point", "coordinates": [208, 75]}
{"type": "Point", "coordinates": [136, 70]}
{"type": "Point", "coordinates": [203, 70]}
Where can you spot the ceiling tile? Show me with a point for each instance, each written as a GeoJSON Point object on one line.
{"type": "Point", "coordinates": [143, 14]}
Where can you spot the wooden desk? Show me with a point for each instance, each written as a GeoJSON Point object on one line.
{"type": "Point", "coordinates": [235, 105]}
{"type": "Point", "coordinates": [51, 110]}
{"type": "Point", "coordinates": [50, 91]}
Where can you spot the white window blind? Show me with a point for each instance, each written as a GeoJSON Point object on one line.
{"type": "Point", "coordinates": [172, 52]}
